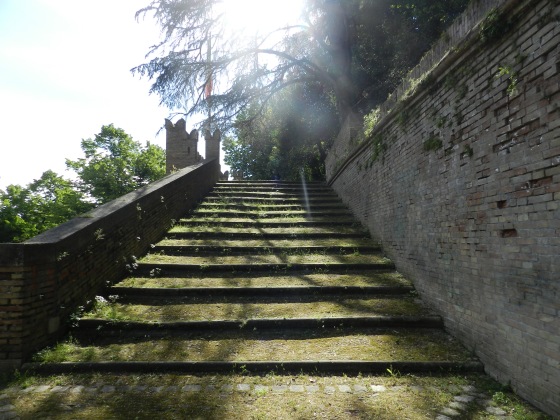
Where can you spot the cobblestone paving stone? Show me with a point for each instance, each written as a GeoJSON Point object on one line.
{"type": "Point", "coordinates": [461, 403]}
{"type": "Point", "coordinates": [456, 409]}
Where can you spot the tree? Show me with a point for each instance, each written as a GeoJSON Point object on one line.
{"type": "Point", "coordinates": [352, 49]}
{"type": "Point", "coordinates": [42, 205]}
{"type": "Point", "coordinates": [292, 135]}
{"type": "Point", "coordinates": [250, 69]}
{"type": "Point", "coordinates": [114, 164]}
{"type": "Point", "coordinates": [352, 53]}
{"type": "Point", "coordinates": [390, 38]}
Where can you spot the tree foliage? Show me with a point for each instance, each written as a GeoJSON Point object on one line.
{"type": "Point", "coordinates": [353, 52]}
{"type": "Point", "coordinates": [41, 205]}
{"type": "Point", "coordinates": [289, 138]}
{"type": "Point", "coordinates": [114, 164]}
{"type": "Point", "coordinates": [390, 37]}
{"type": "Point", "coordinates": [248, 69]}
{"type": "Point", "coordinates": [352, 49]}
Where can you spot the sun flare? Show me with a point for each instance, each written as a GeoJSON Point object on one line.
{"type": "Point", "coordinates": [260, 16]}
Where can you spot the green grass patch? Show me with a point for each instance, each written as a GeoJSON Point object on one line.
{"type": "Point", "coordinates": [171, 310]}
{"type": "Point", "coordinates": [258, 231]}
{"type": "Point", "coordinates": [283, 220]}
{"type": "Point", "coordinates": [330, 242]}
{"type": "Point", "coordinates": [372, 345]}
{"type": "Point", "coordinates": [246, 280]}
{"type": "Point", "coordinates": [266, 259]}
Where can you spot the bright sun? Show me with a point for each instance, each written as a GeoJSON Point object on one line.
{"type": "Point", "coordinates": [261, 16]}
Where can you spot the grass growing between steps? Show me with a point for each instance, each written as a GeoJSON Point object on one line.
{"type": "Point", "coordinates": [310, 345]}
{"type": "Point", "coordinates": [267, 259]}
{"type": "Point", "coordinates": [248, 280]}
{"type": "Point", "coordinates": [275, 230]}
{"type": "Point", "coordinates": [341, 242]}
{"type": "Point", "coordinates": [268, 207]}
{"type": "Point", "coordinates": [164, 397]}
{"type": "Point", "coordinates": [216, 211]}
{"type": "Point", "coordinates": [245, 308]}
{"type": "Point", "coordinates": [283, 220]}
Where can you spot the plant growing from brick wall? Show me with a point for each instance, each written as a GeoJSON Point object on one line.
{"type": "Point", "coordinates": [512, 77]}
{"type": "Point", "coordinates": [432, 144]}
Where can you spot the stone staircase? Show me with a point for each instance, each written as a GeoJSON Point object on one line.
{"type": "Point", "coordinates": [261, 277]}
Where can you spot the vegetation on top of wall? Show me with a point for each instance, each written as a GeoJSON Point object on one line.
{"type": "Point", "coordinates": [494, 26]}
{"type": "Point", "coordinates": [370, 121]}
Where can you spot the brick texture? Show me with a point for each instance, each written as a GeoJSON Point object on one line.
{"type": "Point", "coordinates": [45, 279]}
{"type": "Point", "coordinates": [461, 183]}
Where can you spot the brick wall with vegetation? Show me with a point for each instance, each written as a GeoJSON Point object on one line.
{"type": "Point", "coordinates": [45, 279]}
{"type": "Point", "coordinates": [458, 175]}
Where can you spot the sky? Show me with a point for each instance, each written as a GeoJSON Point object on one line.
{"type": "Point", "coordinates": [64, 73]}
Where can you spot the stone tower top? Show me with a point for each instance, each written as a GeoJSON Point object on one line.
{"type": "Point", "coordinates": [181, 147]}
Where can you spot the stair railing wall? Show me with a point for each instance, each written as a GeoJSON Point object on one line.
{"type": "Point", "coordinates": [45, 280]}
{"type": "Point", "coordinates": [460, 181]}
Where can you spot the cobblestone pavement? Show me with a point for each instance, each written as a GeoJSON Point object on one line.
{"type": "Point", "coordinates": [469, 395]}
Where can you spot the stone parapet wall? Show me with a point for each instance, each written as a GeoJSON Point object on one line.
{"type": "Point", "coordinates": [44, 280]}
{"type": "Point", "coordinates": [460, 181]}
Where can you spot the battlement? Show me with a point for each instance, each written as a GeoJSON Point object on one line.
{"type": "Point", "coordinates": [181, 147]}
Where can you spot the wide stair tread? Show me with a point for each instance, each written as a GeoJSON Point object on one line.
{"type": "Point", "coordinates": [271, 276]}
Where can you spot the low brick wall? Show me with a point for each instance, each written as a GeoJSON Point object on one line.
{"type": "Point", "coordinates": [45, 279]}
{"type": "Point", "coordinates": [460, 181]}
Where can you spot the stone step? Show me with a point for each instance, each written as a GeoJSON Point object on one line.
{"type": "Point", "coordinates": [271, 259]}
{"type": "Point", "coordinates": [248, 184]}
{"type": "Point", "coordinates": [261, 277]}
{"type": "Point", "coordinates": [234, 218]}
{"type": "Point", "coordinates": [274, 188]}
{"type": "Point", "coordinates": [285, 223]}
{"type": "Point", "coordinates": [244, 309]}
{"type": "Point", "coordinates": [128, 294]}
{"type": "Point", "coordinates": [258, 214]}
{"type": "Point", "coordinates": [283, 367]}
{"type": "Point", "coordinates": [94, 328]}
{"type": "Point", "coordinates": [277, 194]}
{"type": "Point", "coordinates": [194, 250]}
{"type": "Point", "coordinates": [361, 344]}
{"type": "Point", "coordinates": [278, 206]}
{"type": "Point", "coordinates": [268, 223]}
{"type": "Point", "coordinates": [277, 232]}
{"type": "Point", "coordinates": [168, 269]}
{"type": "Point", "coordinates": [266, 234]}
{"type": "Point", "coordinates": [282, 200]}
{"type": "Point", "coordinates": [228, 280]}
{"type": "Point", "coordinates": [259, 244]}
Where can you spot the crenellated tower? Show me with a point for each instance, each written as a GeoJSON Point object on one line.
{"type": "Point", "coordinates": [181, 147]}
{"type": "Point", "coordinates": [213, 144]}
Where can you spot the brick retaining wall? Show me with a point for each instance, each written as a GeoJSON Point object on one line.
{"type": "Point", "coordinates": [461, 183]}
{"type": "Point", "coordinates": [45, 279]}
